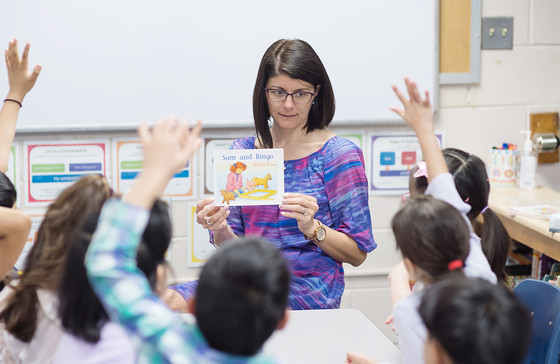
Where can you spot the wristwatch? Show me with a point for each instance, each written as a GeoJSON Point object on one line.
{"type": "Point", "coordinates": [319, 235]}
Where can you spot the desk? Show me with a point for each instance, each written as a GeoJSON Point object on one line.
{"type": "Point", "coordinates": [530, 231]}
{"type": "Point", "coordinates": [325, 336]}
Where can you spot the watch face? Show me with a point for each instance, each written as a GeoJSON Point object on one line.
{"type": "Point", "coordinates": [321, 233]}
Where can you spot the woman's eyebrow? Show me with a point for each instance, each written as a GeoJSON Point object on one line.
{"type": "Point", "coordinates": [306, 89]}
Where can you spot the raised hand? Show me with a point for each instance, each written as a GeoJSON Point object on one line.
{"type": "Point", "coordinates": [417, 111]}
{"type": "Point", "coordinates": [21, 80]}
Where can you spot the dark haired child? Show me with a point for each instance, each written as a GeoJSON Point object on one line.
{"type": "Point", "coordinates": [88, 330]}
{"type": "Point", "coordinates": [432, 232]}
{"type": "Point", "coordinates": [471, 321]}
{"type": "Point", "coordinates": [471, 181]}
{"type": "Point", "coordinates": [242, 292]}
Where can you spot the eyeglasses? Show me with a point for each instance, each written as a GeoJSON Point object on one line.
{"type": "Point", "coordinates": [300, 97]}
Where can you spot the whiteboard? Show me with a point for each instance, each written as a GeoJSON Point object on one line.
{"type": "Point", "coordinates": [111, 63]}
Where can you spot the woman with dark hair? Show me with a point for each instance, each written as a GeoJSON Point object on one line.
{"type": "Point", "coordinates": [88, 331]}
{"type": "Point", "coordinates": [29, 324]}
{"type": "Point", "coordinates": [324, 219]}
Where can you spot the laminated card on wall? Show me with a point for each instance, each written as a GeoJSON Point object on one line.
{"type": "Point", "coordinates": [248, 177]}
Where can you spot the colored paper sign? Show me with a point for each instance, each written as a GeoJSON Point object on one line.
{"type": "Point", "coordinates": [199, 249]}
{"type": "Point", "coordinates": [248, 177]}
{"type": "Point", "coordinates": [128, 164]}
{"type": "Point", "coordinates": [13, 170]}
{"type": "Point", "coordinates": [391, 157]}
{"type": "Point", "coordinates": [53, 166]}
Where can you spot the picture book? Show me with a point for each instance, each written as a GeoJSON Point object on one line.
{"type": "Point", "coordinates": [248, 177]}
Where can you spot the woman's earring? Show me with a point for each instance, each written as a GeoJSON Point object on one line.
{"type": "Point", "coordinates": [313, 103]}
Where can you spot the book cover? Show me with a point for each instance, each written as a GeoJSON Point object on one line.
{"type": "Point", "coordinates": [248, 177]}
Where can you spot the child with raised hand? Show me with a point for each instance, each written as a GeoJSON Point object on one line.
{"type": "Point", "coordinates": [14, 225]}
{"type": "Point", "coordinates": [432, 232]}
{"type": "Point", "coordinates": [238, 303]}
{"type": "Point", "coordinates": [21, 82]}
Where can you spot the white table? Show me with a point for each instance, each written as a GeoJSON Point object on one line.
{"type": "Point", "coordinates": [325, 336]}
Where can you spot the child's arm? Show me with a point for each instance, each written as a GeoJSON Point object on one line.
{"type": "Point", "coordinates": [14, 230]}
{"type": "Point", "coordinates": [111, 258]}
{"type": "Point", "coordinates": [21, 81]}
{"type": "Point", "coordinates": [418, 114]}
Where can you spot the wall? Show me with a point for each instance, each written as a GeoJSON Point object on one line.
{"type": "Point", "coordinates": [513, 84]}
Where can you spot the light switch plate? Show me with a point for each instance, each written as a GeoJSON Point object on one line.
{"type": "Point", "coordinates": [497, 33]}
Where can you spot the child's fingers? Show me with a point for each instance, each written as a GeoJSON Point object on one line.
{"type": "Point", "coordinates": [35, 73]}
{"type": "Point", "coordinates": [399, 112]}
{"type": "Point", "coordinates": [399, 95]}
{"type": "Point", "coordinates": [144, 133]}
{"type": "Point", "coordinates": [25, 56]}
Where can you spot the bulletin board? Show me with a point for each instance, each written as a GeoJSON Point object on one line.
{"type": "Point", "coordinates": [459, 41]}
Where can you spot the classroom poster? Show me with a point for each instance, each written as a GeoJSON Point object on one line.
{"type": "Point", "coordinates": [13, 171]}
{"type": "Point", "coordinates": [36, 220]}
{"type": "Point", "coordinates": [210, 145]}
{"type": "Point", "coordinates": [391, 158]}
{"type": "Point", "coordinates": [246, 177]}
{"type": "Point", "coordinates": [127, 164]}
{"type": "Point", "coordinates": [199, 249]}
{"type": "Point", "coordinates": [51, 166]}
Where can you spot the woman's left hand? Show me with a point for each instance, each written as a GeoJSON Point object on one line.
{"type": "Point", "coordinates": [302, 208]}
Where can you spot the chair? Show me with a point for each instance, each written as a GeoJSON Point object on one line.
{"type": "Point", "coordinates": [543, 301]}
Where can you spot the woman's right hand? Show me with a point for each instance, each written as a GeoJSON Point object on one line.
{"type": "Point", "coordinates": [210, 216]}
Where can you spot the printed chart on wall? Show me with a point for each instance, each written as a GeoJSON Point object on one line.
{"type": "Point", "coordinates": [51, 166]}
{"type": "Point", "coordinates": [210, 145]}
{"type": "Point", "coordinates": [248, 177]}
{"type": "Point", "coordinates": [13, 171]}
{"type": "Point", "coordinates": [392, 156]}
{"type": "Point", "coordinates": [199, 249]}
{"type": "Point", "coordinates": [36, 220]}
{"type": "Point", "coordinates": [128, 157]}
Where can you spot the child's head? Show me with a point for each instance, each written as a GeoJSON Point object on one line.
{"type": "Point", "coordinates": [80, 311]}
{"type": "Point", "coordinates": [431, 234]}
{"type": "Point", "coordinates": [471, 321]}
{"type": "Point", "coordinates": [238, 167]}
{"type": "Point", "coordinates": [8, 192]}
{"type": "Point", "coordinates": [242, 296]}
{"type": "Point", "coordinates": [471, 181]}
{"type": "Point", "coordinates": [418, 179]}
{"type": "Point", "coordinates": [44, 263]}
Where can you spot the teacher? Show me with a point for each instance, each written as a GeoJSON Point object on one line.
{"type": "Point", "coordinates": [324, 219]}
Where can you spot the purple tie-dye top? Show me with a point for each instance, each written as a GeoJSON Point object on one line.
{"type": "Point", "coordinates": [335, 176]}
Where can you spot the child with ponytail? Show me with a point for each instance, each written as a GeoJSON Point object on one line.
{"type": "Point", "coordinates": [432, 232]}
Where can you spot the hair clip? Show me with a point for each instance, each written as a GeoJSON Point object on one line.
{"type": "Point", "coordinates": [455, 264]}
{"type": "Point", "coordinates": [422, 170]}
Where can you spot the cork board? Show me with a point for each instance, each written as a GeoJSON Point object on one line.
{"type": "Point", "coordinates": [459, 41]}
{"type": "Point", "coordinates": [455, 36]}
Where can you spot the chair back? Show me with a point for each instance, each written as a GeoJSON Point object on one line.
{"type": "Point", "coordinates": [543, 301]}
